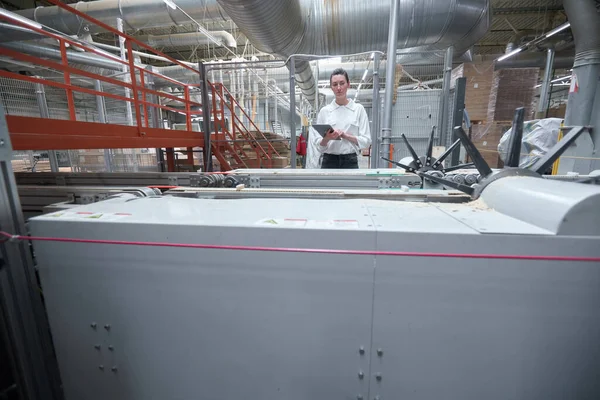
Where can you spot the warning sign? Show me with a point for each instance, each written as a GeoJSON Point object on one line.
{"type": "Point", "coordinates": [574, 84]}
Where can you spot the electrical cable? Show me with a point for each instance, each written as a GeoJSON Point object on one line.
{"type": "Point", "coordinates": [10, 237]}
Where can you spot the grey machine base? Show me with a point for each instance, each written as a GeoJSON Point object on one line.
{"type": "Point", "coordinates": [138, 323]}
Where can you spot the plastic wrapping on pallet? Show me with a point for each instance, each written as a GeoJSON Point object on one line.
{"type": "Point", "coordinates": [512, 88]}
{"type": "Point", "coordinates": [486, 136]}
{"type": "Point", "coordinates": [538, 137]}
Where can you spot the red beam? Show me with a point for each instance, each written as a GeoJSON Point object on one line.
{"type": "Point", "coordinates": [28, 133]}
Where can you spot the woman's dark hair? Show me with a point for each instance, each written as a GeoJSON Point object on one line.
{"type": "Point", "coordinates": [339, 71]}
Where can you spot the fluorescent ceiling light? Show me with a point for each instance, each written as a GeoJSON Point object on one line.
{"type": "Point", "coordinates": [512, 53]}
{"type": "Point", "coordinates": [16, 17]}
{"type": "Point", "coordinates": [170, 4]}
{"type": "Point", "coordinates": [561, 79]}
{"type": "Point", "coordinates": [558, 29]}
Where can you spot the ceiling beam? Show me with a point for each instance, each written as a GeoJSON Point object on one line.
{"type": "Point", "coordinates": [525, 10]}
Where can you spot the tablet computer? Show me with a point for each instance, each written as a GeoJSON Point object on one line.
{"type": "Point", "coordinates": [322, 129]}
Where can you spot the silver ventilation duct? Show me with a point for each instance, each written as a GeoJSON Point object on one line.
{"type": "Point", "coordinates": [10, 32]}
{"type": "Point", "coordinates": [290, 27]}
{"type": "Point", "coordinates": [585, 25]}
{"type": "Point", "coordinates": [136, 14]}
{"type": "Point", "coordinates": [583, 106]}
{"type": "Point", "coordinates": [353, 26]}
{"type": "Point", "coordinates": [275, 27]}
{"type": "Point", "coordinates": [178, 40]}
{"type": "Point", "coordinates": [53, 53]}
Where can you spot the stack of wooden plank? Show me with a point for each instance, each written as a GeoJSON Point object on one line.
{"type": "Point", "coordinates": [25, 166]}
{"type": "Point", "coordinates": [279, 143]}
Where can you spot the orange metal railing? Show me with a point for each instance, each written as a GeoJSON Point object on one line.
{"type": "Point", "coordinates": [29, 133]}
{"type": "Point", "coordinates": [226, 138]}
{"type": "Point", "coordinates": [229, 143]}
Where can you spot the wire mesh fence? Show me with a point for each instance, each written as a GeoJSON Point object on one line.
{"type": "Point", "coordinates": [261, 93]}
{"type": "Point", "coordinates": [27, 99]}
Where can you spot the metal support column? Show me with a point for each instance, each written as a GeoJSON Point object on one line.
{"type": "Point", "coordinates": [543, 103]}
{"type": "Point", "coordinates": [292, 112]}
{"type": "Point", "coordinates": [443, 118]}
{"type": "Point", "coordinates": [125, 68]}
{"type": "Point", "coordinates": [102, 118]}
{"type": "Point", "coordinates": [23, 320]}
{"type": "Point", "coordinates": [206, 117]}
{"type": "Point", "coordinates": [375, 139]}
{"type": "Point", "coordinates": [386, 131]}
{"type": "Point", "coordinates": [40, 94]}
{"type": "Point", "coordinates": [266, 111]}
{"type": "Point", "coordinates": [460, 88]}
{"type": "Point", "coordinates": [155, 118]}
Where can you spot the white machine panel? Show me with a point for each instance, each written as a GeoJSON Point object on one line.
{"type": "Point", "coordinates": [143, 322]}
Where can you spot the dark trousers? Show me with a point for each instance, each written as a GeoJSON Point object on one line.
{"type": "Point", "coordinates": [342, 161]}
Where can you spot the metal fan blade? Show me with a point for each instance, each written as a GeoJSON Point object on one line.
{"type": "Point", "coordinates": [406, 167]}
{"type": "Point", "coordinates": [514, 146]}
{"type": "Point", "coordinates": [483, 168]}
{"type": "Point", "coordinates": [552, 155]}
{"type": "Point", "coordinates": [458, 186]}
{"type": "Point", "coordinates": [430, 147]}
{"type": "Point", "coordinates": [412, 151]}
{"type": "Point", "coordinates": [455, 167]}
{"type": "Point", "coordinates": [446, 153]}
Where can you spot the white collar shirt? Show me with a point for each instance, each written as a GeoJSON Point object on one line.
{"type": "Point", "coordinates": [350, 118]}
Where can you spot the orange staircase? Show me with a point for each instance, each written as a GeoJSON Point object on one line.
{"type": "Point", "coordinates": [231, 139]}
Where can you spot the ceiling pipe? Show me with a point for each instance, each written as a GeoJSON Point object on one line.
{"type": "Point", "coordinates": [77, 57]}
{"type": "Point", "coordinates": [348, 27]}
{"type": "Point", "coordinates": [338, 28]}
{"type": "Point", "coordinates": [178, 40]}
{"type": "Point", "coordinates": [275, 27]}
{"type": "Point", "coordinates": [136, 14]}
{"type": "Point", "coordinates": [10, 32]}
{"type": "Point", "coordinates": [536, 60]}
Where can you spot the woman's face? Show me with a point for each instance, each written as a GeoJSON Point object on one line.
{"type": "Point", "coordinates": [339, 85]}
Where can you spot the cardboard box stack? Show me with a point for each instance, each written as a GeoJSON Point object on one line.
{"type": "Point", "coordinates": [491, 98]}
{"type": "Point", "coordinates": [480, 79]}
{"type": "Point", "coordinates": [279, 143]}
{"type": "Point", "coordinates": [511, 89]}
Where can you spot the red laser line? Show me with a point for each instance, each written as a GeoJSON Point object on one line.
{"type": "Point", "coordinates": [305, 250]}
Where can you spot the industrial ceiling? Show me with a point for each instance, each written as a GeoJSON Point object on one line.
{"type": "Point", "coordinates": [511, 19]}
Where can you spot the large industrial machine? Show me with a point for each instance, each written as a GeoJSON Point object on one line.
{"type": "Point", "coordinates": [297, 293]}
{"type": "Point", "coordinates": [432, 280]}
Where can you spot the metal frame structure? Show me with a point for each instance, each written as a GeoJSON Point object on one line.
{"type": "Point", "coordinates": [41, 133]}
{"type": "Point", "coordinates": [21, 310]}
